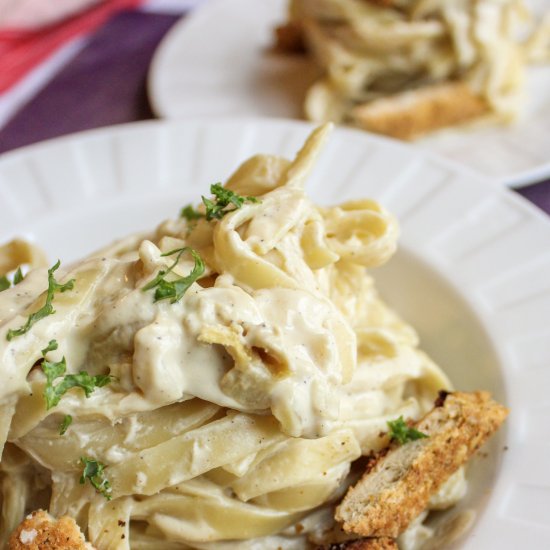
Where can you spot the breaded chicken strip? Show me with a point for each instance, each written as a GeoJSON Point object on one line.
{"type": "Point", "coordinates": [400, 480]}
{"type": "Point", "coordinates": [40, 531]}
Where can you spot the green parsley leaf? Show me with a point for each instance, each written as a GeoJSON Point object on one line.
{"type": "Point", "coordinates": [18, 276]}
{"type": "Point", "coordinates": [67, 421]}
{"type": "Point", "coordinates": [53, 394]}
{"type": "Point", "coordinates": [52, 371]}
{"type": "Point", "coordinates": [94, 472]}
{"type": "Point", "coordinates": [190, 214]}
{"type": "Point", "coordinates": [225, 201]}
{"type": "Point", "coordinates": [47, 308]}
{"type": "Point", "coordinates": [4, 283]}
{"type": "Point", "coordinates": [52, 346]}
{"type": "Point", "coordinates": [400, 432]}
{"type": "Point", "coordinates": [174, 290]}
{"type": "Point", "coordinates": [82, 380]}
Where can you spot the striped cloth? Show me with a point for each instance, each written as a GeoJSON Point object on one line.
{"type": "Point", "coordinates": [33, 31]}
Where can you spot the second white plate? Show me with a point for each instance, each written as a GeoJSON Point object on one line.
{"type": "Point", "coordinates": [217, 62]}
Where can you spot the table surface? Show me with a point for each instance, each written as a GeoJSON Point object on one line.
{"type": "Point", "coordinates": [104, 83]}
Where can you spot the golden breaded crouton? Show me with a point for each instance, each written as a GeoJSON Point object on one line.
{"type": "Point", "coordinates": [400, 480]}
{"type": "Point", "coordinates": [413, 113]}
{"type": "Point", "coordinates": [40, 531]}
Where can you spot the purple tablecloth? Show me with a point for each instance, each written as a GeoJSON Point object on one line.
{"type": "Point", "coordinates": [538, 194]}
{"type": "Point", "coordinates": [105, 84]}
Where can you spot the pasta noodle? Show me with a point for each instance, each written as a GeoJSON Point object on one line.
{"type": "Point", "coordinates": [232, 414]}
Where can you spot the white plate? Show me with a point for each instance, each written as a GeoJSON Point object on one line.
{"type": "Point", "coordinates": [472, 274]}
{"type": "Point", "coordinates": [216, 62]}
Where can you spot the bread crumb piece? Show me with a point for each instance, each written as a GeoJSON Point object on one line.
{"type": "Point", "coordinates": [39, 531]}
{"type": "Point", "coordinates": [27, 536]}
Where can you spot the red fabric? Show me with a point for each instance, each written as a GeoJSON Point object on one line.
{"type": "Point", "coordinates": [21, 50]}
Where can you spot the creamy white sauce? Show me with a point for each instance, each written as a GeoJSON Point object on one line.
{"type": "Point", "coordinates": [111, 325]}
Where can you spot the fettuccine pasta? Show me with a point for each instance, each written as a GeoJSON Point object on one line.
{"type": "Point", "coordinates": [231, 413]}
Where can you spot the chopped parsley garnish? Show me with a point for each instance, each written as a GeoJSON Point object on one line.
{"type": "Point", "coordinates": [52, 346]}
{"type": "Point", "coordinates": [17, 278]}
{"type": "Point", "coordinates": [83, 380]}
{"type": "Point", "coordinates": [402, 433]}
{"type": "Point", "coordinates": [225, 201]}
{"type": "Point", "coordinates": [53, 394]}
{"type": "Point", "coordinates": [93, 472]}
{"type": "Point", "coordinates": [65, 423]}
{"type": "Point", "coordinates": [4, 283]}
{"type": "Point", "coordinates": [190, 214]}
{"type": "Point", "coordinates": [47, 308]}
{"type": "Point", "coordinates": [174, 290]}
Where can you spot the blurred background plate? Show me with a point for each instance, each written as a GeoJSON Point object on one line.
{"type": "Point", "coordinates": [472, 273]}
{"type": "Point", "coordinates": [204, 68]}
